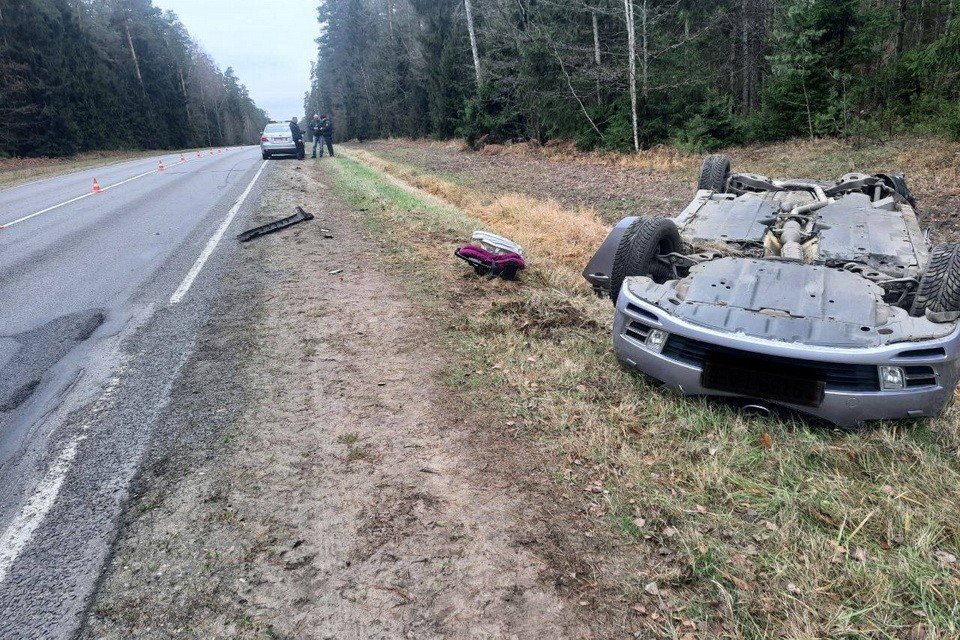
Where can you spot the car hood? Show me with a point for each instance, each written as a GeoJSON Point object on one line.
{"type": "Point", "coordinates": [787, 301]}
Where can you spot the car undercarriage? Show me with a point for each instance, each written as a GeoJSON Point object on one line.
{"type": "Point", "coordinates": [824, 297]}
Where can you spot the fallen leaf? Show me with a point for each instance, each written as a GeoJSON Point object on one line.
{"type": "Point", "coordinates": [701, 509]}
{"type": "Point", "coordinates": [639, 608]}
{"type": "Point", "coordinates": [792, 588]}
{"type": "Point", "coordinates": [640, 522]}
{"type": "Point", "coordinates": [769, 525]}
{"type": "Point", "coordinates": [652, 589]}
{"type": "Point", "coordinates": [712, 451]}
{"type": "Point", "coordinates": [670, 532]}
{"type": "Point", "coordinates": [766, 440]}
{"type": "Point", "coordinates": [739, 582]}
{"type": "Point", "coordinates": [859, 554]}
{"type": "Point", "coordinates": [944, 558]}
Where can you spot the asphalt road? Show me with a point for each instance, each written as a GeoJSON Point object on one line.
{"type": "Point", "coordinates": [100, 302]}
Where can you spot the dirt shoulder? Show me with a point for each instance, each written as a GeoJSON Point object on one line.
{"type": "Point", "coordinates": [356, 496]}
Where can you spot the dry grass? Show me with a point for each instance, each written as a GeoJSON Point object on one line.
{"type": "Point", "coordinates": [556, 240]}
{"type": "Point", "coordinates": [731, 526]}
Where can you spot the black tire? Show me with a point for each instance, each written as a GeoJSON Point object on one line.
{"type": "Point", "coordinates": [266, 156]}
{"type": "Point", "coordinates": [714, 172]}
{"type": "Point", "coordinates": [938, 296]}
{"type": "Point", "coordinates": [641, 243]}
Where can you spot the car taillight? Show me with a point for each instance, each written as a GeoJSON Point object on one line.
{"type": "Point", "coordinates": [263, 139]}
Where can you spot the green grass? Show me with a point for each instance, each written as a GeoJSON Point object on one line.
{"type": "Point", "coordinates": [820, 534]}
{"type": "Point", "coordinates": [348, 438]}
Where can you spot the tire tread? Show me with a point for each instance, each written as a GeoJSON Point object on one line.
{"type": "Point", "coordinates": [939, 290]}
{"type": "Point", "coordinates": [714, 172]}
{"type": "Point", "coordinates": [637, 247]}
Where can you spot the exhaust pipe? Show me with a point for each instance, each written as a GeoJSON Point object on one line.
{"type": "Point", "coordinates": [756, 410]}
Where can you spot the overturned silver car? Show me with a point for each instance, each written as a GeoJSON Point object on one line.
{"type": "Point", "coordinates": [820, 297]}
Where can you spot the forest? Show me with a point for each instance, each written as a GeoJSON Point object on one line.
{"type": "Point", "coordinates": [630, 74]}
{"type": "Point", "coordinates": [82, 75]}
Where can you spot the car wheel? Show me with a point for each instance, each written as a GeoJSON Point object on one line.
{"type": "Point", "coordinates": [938, 297]}
{"type": "Point", "coordinates": [714, 172]}
{"type": "Point", "coordinates": [266, 156]}
{"type": "Point", "coordinates": [639, 247]}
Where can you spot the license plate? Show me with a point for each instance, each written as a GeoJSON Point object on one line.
{"type": "Point", "coordinates": [280, 139]}
{"type": "Point", "coordinates": [763, 379]}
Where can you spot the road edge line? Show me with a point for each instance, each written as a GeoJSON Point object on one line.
{"type": "Point", "coordinates": [34, 512]}
{"type": "Point", "coordinates": [214, 241]}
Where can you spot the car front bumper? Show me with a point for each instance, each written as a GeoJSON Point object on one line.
{"type": "Point", "coordinates": [848, 401]}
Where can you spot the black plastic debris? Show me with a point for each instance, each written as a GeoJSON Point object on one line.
{"type": "Point", "coordinates": [270, 227]}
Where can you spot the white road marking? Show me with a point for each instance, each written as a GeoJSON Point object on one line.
{"type": "Point", "coordinates": [18, 534]}
{"type": "Point", "coordinates": [214, 241]}
{"type": "Point", "coordinates": [86, 195]}
{"type": "Point", "coordinates": [31, 515]}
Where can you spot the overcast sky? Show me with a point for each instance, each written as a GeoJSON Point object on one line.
{"type": "Point", "coordinates": [269, 43]}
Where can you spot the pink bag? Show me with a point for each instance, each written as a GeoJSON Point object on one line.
{"type": "Point", "coordinates": [486, 263]}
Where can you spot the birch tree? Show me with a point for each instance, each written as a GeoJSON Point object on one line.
{"type": "Point", "coordinates": [632, 68]}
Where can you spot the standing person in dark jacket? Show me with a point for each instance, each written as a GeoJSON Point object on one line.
{"type": "Point", "coordinates": [326, 130]}
{"type": "Point", "coordinates": [317, 135]}
{"type": "Point", "coordinates": [297, 137]}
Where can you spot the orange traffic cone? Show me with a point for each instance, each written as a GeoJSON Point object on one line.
{"type": "Point", "coordinates": [96, 186]}
{"type": "Point", "coordinates": [161, 167]}
{"type": "Point", "coordinates": [182, 159]}
{"type": "Point", "coordinates": [198, 154]}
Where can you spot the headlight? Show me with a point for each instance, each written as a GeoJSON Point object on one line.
{"type": "Point", "coordinates": [656, 339]}
{"type": "Point", "coordinates": [891, 378]}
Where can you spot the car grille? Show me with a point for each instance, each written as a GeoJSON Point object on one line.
{"type": "Point", "coordinates": [838, 376]}
{"type": "Point", "coordinates": [920, 376]}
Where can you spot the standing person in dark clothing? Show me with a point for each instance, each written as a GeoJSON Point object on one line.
{"type": "Point", "coordinates": [317, 135]}
{"type": "Point", "coordinates": [297, 136]}
{"type": "Point", "coordinates": [326, 130]}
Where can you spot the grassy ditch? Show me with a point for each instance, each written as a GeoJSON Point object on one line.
{"type": "Point", "coordinates": [731, 526]}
